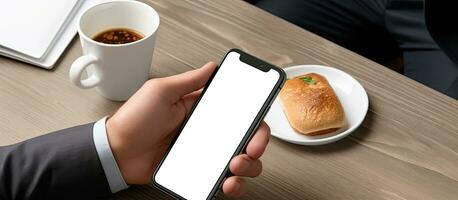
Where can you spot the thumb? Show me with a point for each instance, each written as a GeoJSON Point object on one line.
{"type": "Point", "coordinates": [185, 83]}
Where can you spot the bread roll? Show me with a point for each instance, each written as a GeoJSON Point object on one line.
{"type": "Point", "coordinates": [311, 106]}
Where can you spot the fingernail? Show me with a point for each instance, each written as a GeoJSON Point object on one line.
{"type": "Point", "coordinates": [245, 166]}
{"type": "Point", "coordinates": [237, 186]}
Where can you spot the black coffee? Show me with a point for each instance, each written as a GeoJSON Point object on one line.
{"type": "Point", "coordinates": [118, 36]}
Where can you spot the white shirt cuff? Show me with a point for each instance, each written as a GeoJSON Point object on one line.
{"type": "Point", "coordinates": [109, 165]}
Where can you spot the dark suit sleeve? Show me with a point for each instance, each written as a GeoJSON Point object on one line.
{"type": "Point", "coordinates": [60, 165]}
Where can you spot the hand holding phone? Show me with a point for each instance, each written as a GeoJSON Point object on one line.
{"type": "Point", "coordinates": [230, 108]}
{"type": "Point", "coordinates": [142, 129]}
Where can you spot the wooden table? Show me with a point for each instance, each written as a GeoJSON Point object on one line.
{"type": "Point", "coordinates": [407, 147]}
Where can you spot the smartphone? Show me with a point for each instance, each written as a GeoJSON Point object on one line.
{"type": "Point", "coordinates": [232, 104]}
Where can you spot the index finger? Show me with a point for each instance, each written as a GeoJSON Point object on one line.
{"type": "Point", "coordinates": [185, 83]}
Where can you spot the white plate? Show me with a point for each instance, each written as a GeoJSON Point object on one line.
{"type": "Point", "coordinates": [350, 93]}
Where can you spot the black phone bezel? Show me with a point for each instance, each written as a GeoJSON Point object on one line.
{"type": "Point", "coordinates": [254, 62]}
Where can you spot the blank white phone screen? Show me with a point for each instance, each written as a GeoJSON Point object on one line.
{"type": "Point", "coordinates": [216, 128]}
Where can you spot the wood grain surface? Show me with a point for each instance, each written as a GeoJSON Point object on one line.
{"type": "Point", "coordinates": [407, 147]}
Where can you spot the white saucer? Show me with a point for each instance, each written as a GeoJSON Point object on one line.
{"type": "Point", "coordinates": [350, 93]}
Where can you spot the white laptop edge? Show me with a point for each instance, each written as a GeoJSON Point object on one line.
{"type": "Point", "coordinates": [59, 44]}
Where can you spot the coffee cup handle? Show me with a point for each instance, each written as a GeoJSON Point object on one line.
{"type": "Point", "coordinates": [77, 69]}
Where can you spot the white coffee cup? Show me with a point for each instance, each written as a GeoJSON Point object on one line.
{"type": "Point", "coordinates": [116, 70]}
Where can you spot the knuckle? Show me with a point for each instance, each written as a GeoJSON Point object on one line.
{"type": "Point", "coordinates": [151, 83]}
{"type": "Point", "coordinates": [259, 170]}
{"type": "Point", "coordinates": [158, 84]}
